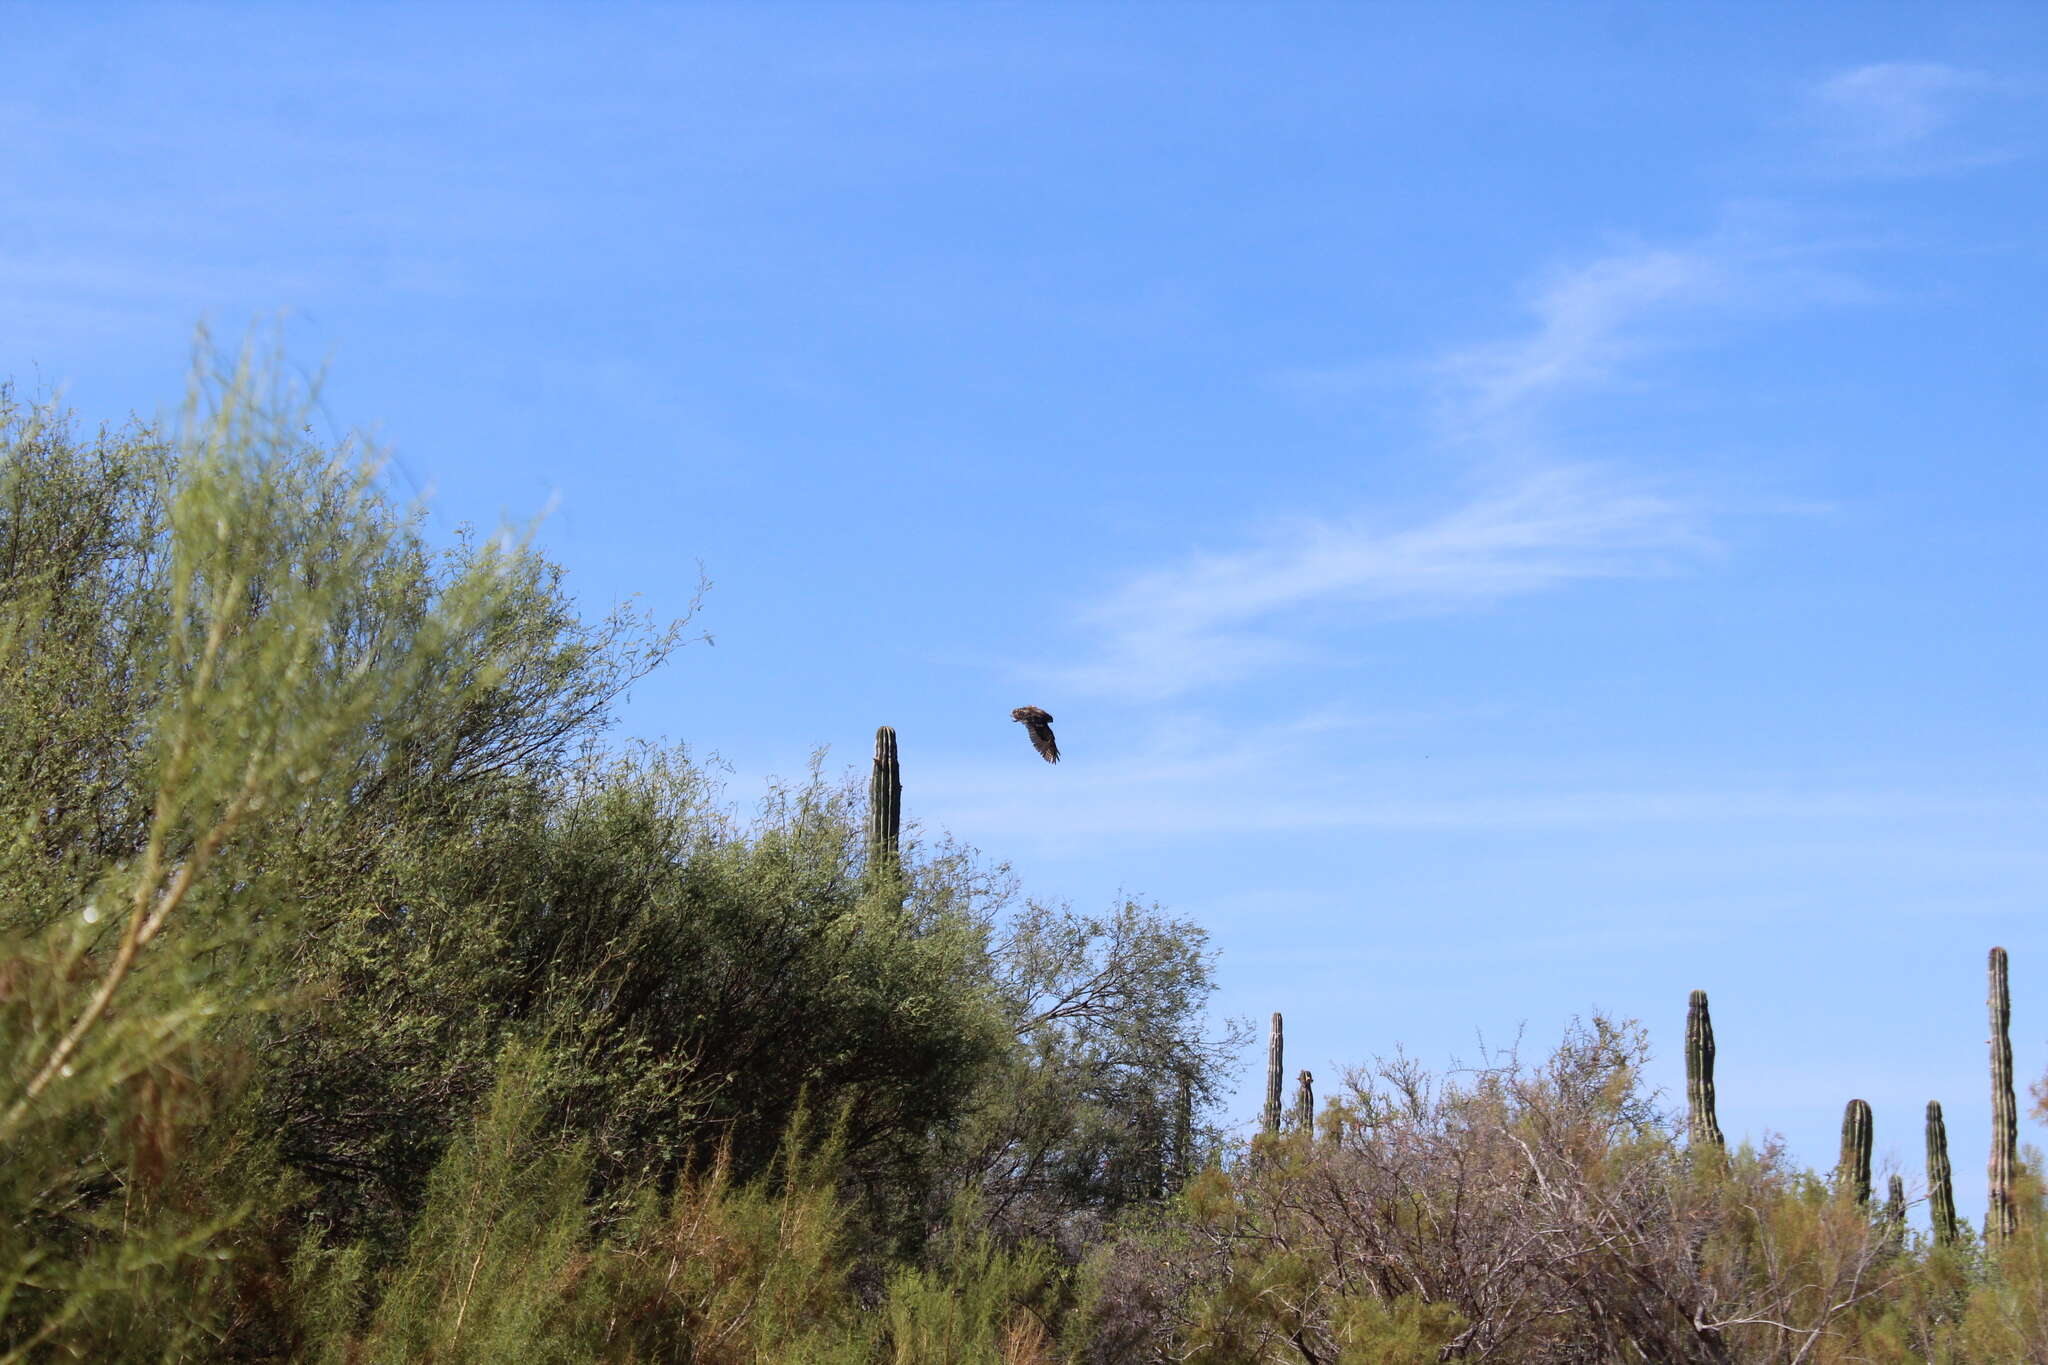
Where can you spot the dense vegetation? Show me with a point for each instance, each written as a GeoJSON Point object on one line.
{"type": "Point", "coordinates": [358, 1004]}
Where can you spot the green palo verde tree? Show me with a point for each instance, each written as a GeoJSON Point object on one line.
{"type": "Point", "coordinates": [203, 641]}
{"type": "Point", "coordinates": [1097, 1105]}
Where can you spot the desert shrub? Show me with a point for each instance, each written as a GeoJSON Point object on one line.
{"type": "Point", "coordinates": [975, 1301]}
{"type": "Point", "coordinates": [199, 640]}
{"type": "Point", "coordinates": [1527, 1213]}
{"type": "Point", "coordinates": [705, 971]}
{"type": "Point", "coordinates": [512, 1260]}
{"type": "Point", "coordinates": [360, 1003]}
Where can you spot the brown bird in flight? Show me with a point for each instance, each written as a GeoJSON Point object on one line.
{"type": "Point", "coordinates": [1039, 725]}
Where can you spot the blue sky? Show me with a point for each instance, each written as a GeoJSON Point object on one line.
{"type": "Point", "coordinates": [1516, 509]}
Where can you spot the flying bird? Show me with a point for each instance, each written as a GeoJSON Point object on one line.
{"type": "Point", "coordinates": [1039, 725]}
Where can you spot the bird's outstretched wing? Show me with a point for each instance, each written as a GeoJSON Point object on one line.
{"type": "Point", "coordinates": [1038, 724]}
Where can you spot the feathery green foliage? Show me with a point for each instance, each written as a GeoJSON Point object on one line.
{"type": "Point", "coordinates": [358, 1003]}
{"type": "Point", "coordinates": [202, 641]}
{"type": "Point", "coordinates": [979, 1304]}
{"type": "Point", "coordinates": [1084, 1116]}
{"type": "Point", "coordinates": [340, 964]}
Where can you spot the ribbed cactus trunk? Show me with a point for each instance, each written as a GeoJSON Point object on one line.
{"type": "Point", "coordinates": [1941, 1187]}
{"type": "Point", "coordinates": [1305, 1103]}
{"type": "Point", "coordinates": [1853, 1174]}
{"type": "Point", "coordinates": [2001, 1220]}
{"type": "Point", "coordinates": [1895, 1214]}
{"type": "Point", "coordinates": [1184, 1131]}
{"type": "Point", "coordinates": [1154, 1171]}
{"type": "Point", "coordinates": [885, 813]}
{"type": "Point", "coordinates": [1703, 1126]}
{"type": "Point", "coordinates": [1274, 1053]}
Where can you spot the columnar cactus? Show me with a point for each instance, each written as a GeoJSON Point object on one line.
{"type": "Point", "coordinates": [2001, 1220]}
{"type": "Point", "coordinates": [1699, 1073]}
{"type": "Point", "coordinates": [1941, 1190]}
{"type": "Point", "coordinates": [1273, 1069]}
{"type": "Point", "coordinates": [1853, 1174]}
{"type": "Point", "coordinates": [1895, 1213]}
{"type": "Point", "coordinates": [1184, 1131]}
{"type": "Point", "coordinates": [1305, 1103]}
{"type": "Point", "coordinates": [885, 808]}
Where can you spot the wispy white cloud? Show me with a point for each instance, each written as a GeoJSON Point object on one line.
{"type": "Point", "coordinates": [1596, 324]}
{"type": "Point", "coordinates": [1897, 103]}
{"type": "Point", "coordinates": [1589, 322]}
{"type": "Point", "coordinates": [1523, 519]}
{"type": "Point", "coordinates": [1521, 522]}
{"type": "Point", "coordinates": [1220, 616]}
{"type": "Point", "coordinates": [1902, 119]}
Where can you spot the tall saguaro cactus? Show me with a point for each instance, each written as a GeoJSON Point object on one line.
{"type": "Point", "coordinates": [1941, 1189]}
{"type": "Point", "coordinates": [1853, 1174]}
{"type": "Point", "coordinates": [1273, 1070]}
{"type": "Point", "coordinates": [2001, 1220]}
{"type": "Point", "coordinates": [1305, 1103]}
{"type": "Point", "coordinates": [1699, 1073]}
{"type": "Point", "coordinates": [885, 810]}
{"type": "Point", "coordinates": [1894, 1219]}
{"type": "Point", "coordinates": [1184, 1131]}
